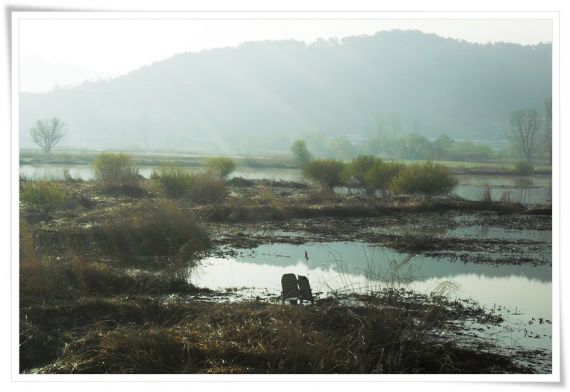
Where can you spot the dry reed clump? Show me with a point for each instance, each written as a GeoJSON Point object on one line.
{"type": "Point", "coordinates": [148, 229]}
{"type": "Point", "coordinates": [127, 350]}
{"type": "Point", "coordinates": [50, 278]}
{"type": "Point", "coordinates": [160, 230]}
{"type": "Point", "coordinates": [37, 347]}
{"type": "Point", "coordinates": [152, 229]}
{"type": "Point", "coordinates": [255, 337]}
{"type": "Point", "coordinates": [53, 279]}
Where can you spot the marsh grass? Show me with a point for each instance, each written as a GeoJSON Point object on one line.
{"type": "Point", "coordinates": [161, 228]}
{"type": "Point", "coordinates": [175, 181]}
{"type": "Point", "coordinates": [49, 278]}
{"type": "Point", "coordinates": [53, 288]}
{"type": "Point", "coordinates": [148, 233]}
{"type": "Point", "coordinates": [255, 337]}
{"type": "Point", "coordinates": [44, 196]}
{"type": "Point", "coordinates": [89, 305]}
{"type": "Point", "coordinates": [201, 188]}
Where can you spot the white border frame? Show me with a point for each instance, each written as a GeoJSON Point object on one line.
{"type": "Point", "coordinates": [16, 17]}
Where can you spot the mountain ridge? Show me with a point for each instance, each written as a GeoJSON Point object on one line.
{"type": "Point", "coordinates": [264, 94]}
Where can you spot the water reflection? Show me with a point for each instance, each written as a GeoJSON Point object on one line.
{"type": "Point", "coordinates": [356, 267]}
{"type": "Point", "coordinates": [524, 195]}
{"type": "Point", "coordinates": [535, 189]}
{"type": "Point", "coordinates": [85, 172]}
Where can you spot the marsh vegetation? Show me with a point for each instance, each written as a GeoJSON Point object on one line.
{"type": "Point", "coordinates": [112, 271]}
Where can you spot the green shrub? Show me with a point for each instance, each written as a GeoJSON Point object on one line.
{"type": "Point", "coordinates": [221, 166]}
{"type": "Point", "coordinates": [357, 169]}
{"type": "Point", "coordinates": [45, 196]}
{"type": "Point", "coordinates": [427, 179]}
{"type": "Point", "coordinates": [524, 168]}
{"type": "Point", "coordinates": [198, 187]}
{"type": "Point", "coordinates": [115, 170]}
{"type": "Point", "coordinates": [327, 172]}
{"type": "Point", "coordinates": [381, 176]}
{"type": "Point", "coordinates": [372, 174]}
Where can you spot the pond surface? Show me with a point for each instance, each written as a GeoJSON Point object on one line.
{"type": "Point", "coordinates": [85, 172]}
{"type": "Point", "coordinates": [522, 293]}
{"type": "Point", "coordinates": [536, 189]}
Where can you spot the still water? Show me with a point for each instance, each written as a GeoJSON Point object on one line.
{"type": "Point", "coordinates": [521, 292]}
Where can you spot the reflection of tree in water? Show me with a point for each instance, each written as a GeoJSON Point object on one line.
{"type": "Point", "coordinates": [395, 271]}
{"type": "Point", "coordinates": [374, 263]}
{"type": "Point", "coordinates": [523, 182]}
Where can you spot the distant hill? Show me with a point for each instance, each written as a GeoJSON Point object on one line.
{"type": "Point", "coordinates": [260, 96]}
{"type": "Point", "coordinates": [40, 75]}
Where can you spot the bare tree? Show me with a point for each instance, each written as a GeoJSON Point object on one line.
{"type": "Point", "coordinates": [548, 127]}
{"type": "Point", "coordinates": [47, 133]}
{"type": "Point", "coordinates": [523, 131]}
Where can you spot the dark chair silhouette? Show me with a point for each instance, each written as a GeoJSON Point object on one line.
{"type": "Point", "coordinates": [305, 293]}
{"type": "Point", "coordinates": [289, 287]}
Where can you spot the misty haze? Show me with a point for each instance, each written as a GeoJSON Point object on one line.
{"type": "Point", "coordinates": [373, 204]}
{"type": "Point", "coordinates": [260, 96]}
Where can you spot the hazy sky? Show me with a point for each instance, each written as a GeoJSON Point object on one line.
{"type": "Point", "coordinates": [117, 46]}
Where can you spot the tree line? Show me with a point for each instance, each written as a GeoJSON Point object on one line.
{"type": "Point", "coordinates": [529, 135]}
